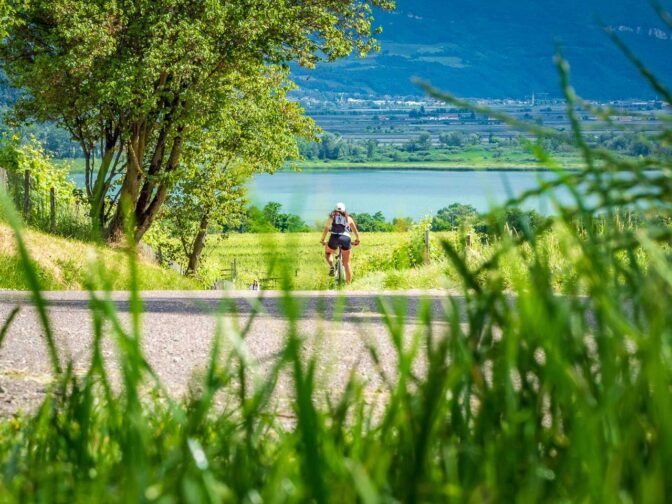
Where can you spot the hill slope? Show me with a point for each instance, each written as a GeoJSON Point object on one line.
{"type": "Point", "coordinates": [64, 264]}
{"type": "Point", "coordinates": [497, 48]}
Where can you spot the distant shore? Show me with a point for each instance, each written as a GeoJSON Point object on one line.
{"type": "Point", "coordinates": [430, 165]}
{"type": "Point", "coordinates": [76, 166]}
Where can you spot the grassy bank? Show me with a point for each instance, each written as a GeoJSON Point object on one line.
{"type": "Point", "coordinates": [430, 165]}
{"type": "Point", "coordinates": [70, 264]}
{"type": "Point", "coordinates": [457, 163]}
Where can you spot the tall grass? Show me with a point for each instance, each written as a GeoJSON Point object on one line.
{"type": "Point", "coordinates": [522, 395]}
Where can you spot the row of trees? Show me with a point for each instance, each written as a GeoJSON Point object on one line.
{"type": "Point", "coordinates": [173, 102]}
{"type": "Point", "coordinates": [456, 216]}
{"type": "Point", "coordinates": [333, 147]}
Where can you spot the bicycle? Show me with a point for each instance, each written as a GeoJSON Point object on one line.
{"type": "Point", "coordinates": [339, 270]}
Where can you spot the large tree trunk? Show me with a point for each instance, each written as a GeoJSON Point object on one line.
{"type": "Point", "coordinates": [144, 202]}
{"type": "Point", "coordinates": [128, 192]}
{"type": "Point", "coordinates": [199, 245]}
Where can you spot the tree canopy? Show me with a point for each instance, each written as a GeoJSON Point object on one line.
{"type": "Point", "coordinates": [134, 81]}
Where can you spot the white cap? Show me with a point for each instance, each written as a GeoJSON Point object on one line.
{"type": "Point", "coordinates": [340, 207]}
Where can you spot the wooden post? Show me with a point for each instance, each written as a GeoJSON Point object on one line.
{"type": "Point", "coordinates": [52, 209]}
{"type": "Point", "coordinates": [467, 240]}
{"type": "Point", "coordinates": [26, 194]}
{"type": "Point", "coordinates": [234, 273]}
{"type": "Point", "coordinates": [426, 246]}
{"type": "Point", "coordinates": [4, 185]}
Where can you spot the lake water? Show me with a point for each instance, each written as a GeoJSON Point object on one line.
{"type": "Point", "coordinates": [396, 193]}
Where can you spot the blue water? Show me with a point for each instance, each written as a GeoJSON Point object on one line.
{"type": "Point", "coordinates": [312, 194]}
{"type": "Point", "coordinates": [396, 193]}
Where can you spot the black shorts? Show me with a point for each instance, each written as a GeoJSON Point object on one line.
{"type": "Point", "coordinates": [343, 241]}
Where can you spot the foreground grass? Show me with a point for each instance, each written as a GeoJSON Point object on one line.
{"type": "Point", "coordinates": [63, 263]}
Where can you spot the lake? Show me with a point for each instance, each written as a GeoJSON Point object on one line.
{"type": "Point", "coordinates": [396, 193]}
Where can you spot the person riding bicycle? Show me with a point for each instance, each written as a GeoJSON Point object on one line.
{"type": "Point", "coordinates": [340, 225]}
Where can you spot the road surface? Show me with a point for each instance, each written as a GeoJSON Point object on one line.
{"type": "Point", "coordinates": [178, 329]}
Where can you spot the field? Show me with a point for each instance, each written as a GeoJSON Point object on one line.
{"type": "Point", "coordinates": [382, 261]}
{"type": "Point", "coordinates": [261, 256]}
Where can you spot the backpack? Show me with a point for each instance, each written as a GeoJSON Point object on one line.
{"type": "Point", "coordinates": [339, 224]}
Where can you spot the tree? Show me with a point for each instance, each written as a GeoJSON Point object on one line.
{"type": "Point", "coordinates": [254, 134]}
{"type": "Point", "coordinates": [371, 223]}
{"type": "Point", "coordinates": [452, 139]}
{"type": "Point", "coordinates": [453, 217]}
{"type": "Point", "coordinates": [371, 147]}
{"type": "Point", "coordinates": [421, 143]}
{"type": "Point", "coordinates": [135, 81]}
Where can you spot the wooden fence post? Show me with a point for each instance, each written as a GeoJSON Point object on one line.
{"type": "Point", "coordinates": [52, 209]}
{"type": "Point", "coordinates": [426, 254]}
{"type": "Point", "coordinates": [4, 183]}
{"type": "Point", "coordinates": [26, 194]}
{"type": "Point", "coordinates": [467, 240]}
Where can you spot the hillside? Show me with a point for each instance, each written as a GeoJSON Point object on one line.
{"type": "Point", "coordinates": [68, 264]}
{"type": "Point", "coordinates": [493, 48]}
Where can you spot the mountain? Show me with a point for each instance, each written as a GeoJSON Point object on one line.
{"type": "Point", "coordinates": [505, 48]}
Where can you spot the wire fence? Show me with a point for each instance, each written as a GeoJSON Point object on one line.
{"type": "Point", "coordinates": [47, 208]}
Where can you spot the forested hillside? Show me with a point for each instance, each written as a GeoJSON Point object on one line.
{"type": "Point", "coordinates": [496, 48]}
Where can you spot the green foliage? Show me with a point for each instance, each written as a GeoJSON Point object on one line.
{"type": "Point", "coordinates": [18, 157]}
{"type": "Point", "coordinates": [368, 223]}
{"type": "Point", "coordinates": [271, 218]}
{"type": "Point", "coordinates": [413, 251]}
{"type": "Point", "coordinates": [454, 216]}
{"type": "Point", "coordinates": [31, 156]}
{"type": "Point", "coordinates": [421, 143]}
{"type": "Point", "coordinates": [512, 220]}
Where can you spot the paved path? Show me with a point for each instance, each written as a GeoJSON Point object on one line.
{"type": "Point", "coordinates": [178, 328]}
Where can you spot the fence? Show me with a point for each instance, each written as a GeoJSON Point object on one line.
{"type": "Point", "coordinates": [43, 207]}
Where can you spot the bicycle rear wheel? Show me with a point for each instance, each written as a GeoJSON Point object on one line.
{"type": "Point", "coordinates": [339, 272]}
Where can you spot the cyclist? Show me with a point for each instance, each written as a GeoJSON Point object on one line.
{"type": "Point", "coordinates": [340, 225]}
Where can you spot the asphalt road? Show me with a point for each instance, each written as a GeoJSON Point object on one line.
{"type": "Point", "coordinates": [178, 329]}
